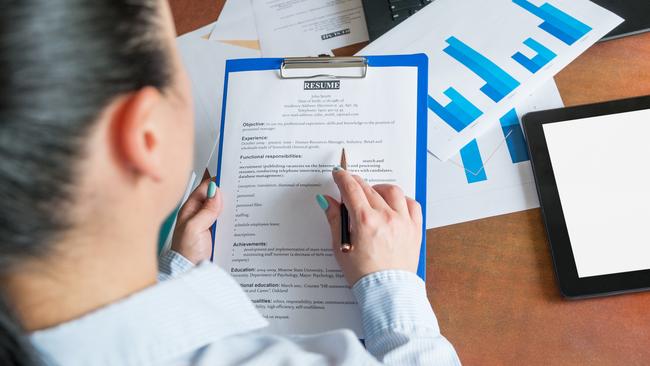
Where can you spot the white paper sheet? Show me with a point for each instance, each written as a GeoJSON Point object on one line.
{"type": "Point", "coordinates": [236, 22]}
{"type": "Point", "coordinates": [472, 45]}
{"type": "Point", "coordinates": [503, 182]}
{"type": "Point", "coordinates": [308, 27]}
{"type": "Point", "coordinates": [274, 239]}
{"type": "Point", "coordinates": [205, 63]}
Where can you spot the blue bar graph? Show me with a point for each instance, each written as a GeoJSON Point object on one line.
{"type": "Point", "coordinates": [543, 57]}
{"type": "Point", "coordinates": [499, 83]}
{"type": "Point", "coordinates": [459, 113]}
{"type": "Point", "coordinates": [556, 22]}
{"type": "Point", "coordinates": [473, 163]}
{"type": "Point", "coordinates": [514, 137]}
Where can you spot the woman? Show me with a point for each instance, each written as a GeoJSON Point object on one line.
{"type": "Point", "coordinates": [96, 131]}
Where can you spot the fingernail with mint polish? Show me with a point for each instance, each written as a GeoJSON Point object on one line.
{"type": "Point", "coordinates": [337, 168]}
{"type": "Point", "coordinates": [212, 189]}
{"type": "Point", "coordinates": [322, 202]}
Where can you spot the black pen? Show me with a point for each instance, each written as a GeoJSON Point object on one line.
{"type": "Point", "coordinates": [346, 244]}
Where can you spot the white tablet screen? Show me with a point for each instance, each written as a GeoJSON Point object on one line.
{"type": "Point", "coordinates": [602, 170]}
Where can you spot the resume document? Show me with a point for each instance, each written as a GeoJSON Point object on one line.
{"type": "Point", "coordinates": [281, 140]}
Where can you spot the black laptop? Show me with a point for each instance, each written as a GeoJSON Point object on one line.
{"type": "Point", "coordinates": [383, 15]}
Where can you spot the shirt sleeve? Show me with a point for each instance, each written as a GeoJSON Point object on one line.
{"type": "Point", "coordinates": [399, 325]}
{"type": "Point", "coordinates": [172, 264]}
{"type": "Point", "coordinates": [400, 329]}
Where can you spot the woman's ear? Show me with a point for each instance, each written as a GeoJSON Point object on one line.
{"type": "Point", "coordinates": [137, 136]}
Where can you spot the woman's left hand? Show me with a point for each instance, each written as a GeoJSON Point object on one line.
{"type": "Point", "coordinates": [192, 238]}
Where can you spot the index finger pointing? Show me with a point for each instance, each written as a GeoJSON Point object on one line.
{"type": "Point", "coordinates": [352, 194]}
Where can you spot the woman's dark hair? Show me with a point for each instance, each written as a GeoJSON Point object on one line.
{"type": "Point", "coordinates": [61, 63]}
{"type": "Point", "coordinates": [14, 346]}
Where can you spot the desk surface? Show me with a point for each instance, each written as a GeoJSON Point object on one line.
{"type": "Point", "coordinates": [491, 281]}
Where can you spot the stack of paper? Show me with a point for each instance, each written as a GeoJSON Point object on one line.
{"type": "Point", "coordinates": [490, 62]}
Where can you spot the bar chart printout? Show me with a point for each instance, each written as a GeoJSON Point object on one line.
{"type": "Point", "coordinates": [509, 186]}
{"type": "Point", "coordinates": [459, 113]}
{"type": "Point", "coordinates": [556, 22]}
{"type": "Point", "coordinates": [498, 82]}
{"type": "Point", "coordinates": [543, 57]}
{"type": "Point", "coordinates": [488, 56]}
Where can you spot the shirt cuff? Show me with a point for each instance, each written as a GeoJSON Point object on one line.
{"type": "Point", "coordinates": [172, 264]}
{"type": "Point", "coordinates": [396, 301]}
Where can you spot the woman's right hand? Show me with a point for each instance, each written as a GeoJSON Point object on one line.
{"type": "Point", "coordinates": [385, 227]}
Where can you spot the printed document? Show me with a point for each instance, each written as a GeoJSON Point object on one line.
{"type": "Point", "coordinates": [281, 140]}
{"type": "Point", "coordinates": [308, 27]}
{"type": "Point", "coordinates": [492, 175]}
{"type": "Point", "coordinates": [486, 57]}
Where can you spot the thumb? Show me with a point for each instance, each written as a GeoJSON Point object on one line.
{"type": "Point", "coordinates": [332, 210]}
{"type": "Point", "coordinates": [209, 211]}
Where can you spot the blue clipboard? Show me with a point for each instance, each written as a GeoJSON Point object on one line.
{"type": "Point", "coordinates": [419, 61]}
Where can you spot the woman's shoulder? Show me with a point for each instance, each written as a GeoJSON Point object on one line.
{"type": "Point", "coordinates": [163, 322]}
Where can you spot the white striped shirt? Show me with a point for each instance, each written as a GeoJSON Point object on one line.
{"type": "Point", "coordinates": [200, 316]}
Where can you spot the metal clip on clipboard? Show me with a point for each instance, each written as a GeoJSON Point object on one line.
{"type": "Point", "coordinates": [319, 67]}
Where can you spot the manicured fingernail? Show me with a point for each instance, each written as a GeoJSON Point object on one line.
{"type": "Point", "coordinates": [322, 202]}
{"type": "Point", "coordinates": [337, 168]}
{"type": "Point", "coordinates": [212, 189]}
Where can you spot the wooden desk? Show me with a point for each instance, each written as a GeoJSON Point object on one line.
{"type": "Point", "coordinates": [491, 281]}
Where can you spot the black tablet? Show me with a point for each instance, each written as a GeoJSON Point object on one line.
{"type": "Point", "coordinates": [592, 169]}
